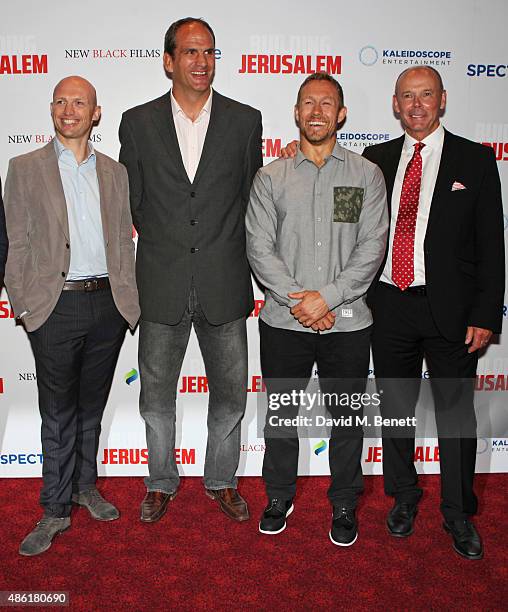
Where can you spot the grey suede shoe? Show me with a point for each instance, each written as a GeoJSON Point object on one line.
{"type": "Point", "coordinates": [40, 538]}
{"type": "Point", "coordinates": [99, 508]}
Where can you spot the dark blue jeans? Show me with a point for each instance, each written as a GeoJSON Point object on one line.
{"type": "Point", "coordinates": [161, 352]}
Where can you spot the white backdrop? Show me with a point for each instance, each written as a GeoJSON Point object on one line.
{"type": "Point", "coordinates": [117, 45]}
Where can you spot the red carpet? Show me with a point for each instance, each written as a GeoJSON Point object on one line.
{"type": "Point", "coordinates": [195, 558]}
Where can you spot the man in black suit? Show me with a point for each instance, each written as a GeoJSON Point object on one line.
{"type": "Point", "coordinates": [191, 156]}
{"type": "Point", "coordinates": [439, 293]}
{"type": "Point", "coordinates": [3, 241]}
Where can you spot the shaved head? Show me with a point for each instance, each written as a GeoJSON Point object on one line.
{"type": "Point", "coordinates": [74, 112]}
{"type": "Point", "coordinates": [80, 82]}
{"type": "Point", "coordinates": [417, 69]}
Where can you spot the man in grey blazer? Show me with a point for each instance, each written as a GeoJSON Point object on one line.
{"type": "Point", "coordinates": [70, 279]}
{"type": "Point", "coordinates": [191, 156]}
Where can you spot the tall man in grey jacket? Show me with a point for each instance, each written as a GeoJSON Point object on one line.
{"type": "Point", "coordinates": [191, 155]}
{"type": "Point", "coordinates": [316, 231]}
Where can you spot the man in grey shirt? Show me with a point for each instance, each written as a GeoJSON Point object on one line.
{"type": "Point", "coordinates": [316, 233]}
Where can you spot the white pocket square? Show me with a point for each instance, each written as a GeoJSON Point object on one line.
{"type": "Point", "coordinates": [457, 186]}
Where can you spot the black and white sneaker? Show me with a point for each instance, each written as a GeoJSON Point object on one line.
{"type": "Point", "coordinates": [274, 516]}
{"type": "Point", "coordinates": [344, 531]}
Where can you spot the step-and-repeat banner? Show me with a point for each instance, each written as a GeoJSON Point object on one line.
{"type": "Point", "coordinates": [264, 51]}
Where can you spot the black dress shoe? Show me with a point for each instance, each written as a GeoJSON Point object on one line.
{"type": "Point", "coordinates": [401, 518]}
{"type": "Point", "coordinates": [466, 540]}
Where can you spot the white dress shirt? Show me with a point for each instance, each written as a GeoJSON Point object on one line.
{"type": "Point", "coordinates": [191, 134]}
{"type": "Point", "coordinates": [431, 158]}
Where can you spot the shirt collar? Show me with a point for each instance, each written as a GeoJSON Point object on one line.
{"type": "Point", "coordinates": [432, 141]}
{"type": "Point", "coordinates": [337, 152]}
{"type": "Point", "coordinates": [177, 109]}
{"type": "Point", "coordinates": [60, 148]}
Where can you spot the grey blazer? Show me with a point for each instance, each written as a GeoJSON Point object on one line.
{"type": "Point", "coordinates": [39, 245]}
{"type": "Point", "coordinates": [191, 232]}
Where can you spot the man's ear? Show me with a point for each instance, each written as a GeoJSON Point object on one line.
{"type": "Point", "coordinates": [167, 60]}
{"type": "Point", "coordinates": [395, 104]}
{"type": "Point", "coordinates": [442, 106]}
{"type": "Point", "coordinates": [342, 114]}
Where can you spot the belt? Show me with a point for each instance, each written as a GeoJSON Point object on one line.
{"type": "Point", "coordinates": [418, 290]}
{"type": "Point", "coordinates": [87, 284]}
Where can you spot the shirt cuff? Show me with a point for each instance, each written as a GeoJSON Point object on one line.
{"type": "Point", "coordinates": [331, 296]}
{"type": "Point", "coordinates": [286, 301]}
{"type": "Point", "coordinates": [292, 302]}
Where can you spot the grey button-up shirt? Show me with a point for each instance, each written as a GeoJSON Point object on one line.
{"type": "Point", "coordinates": [320, 229]}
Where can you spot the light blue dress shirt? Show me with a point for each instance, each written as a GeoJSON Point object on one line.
{"type": "Point", "coordinates": [81, 189]}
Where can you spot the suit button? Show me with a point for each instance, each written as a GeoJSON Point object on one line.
{"type": "Point", "coordinates": [66, 245]}
{"type": "Point", "coordinates": [194, 250]}
{"type": "Point", "coordinates": [63, 274]}
{"type": "Point", "coordinates": [194, 222]}
{"type": "Point", "coordinates": [193, 194]}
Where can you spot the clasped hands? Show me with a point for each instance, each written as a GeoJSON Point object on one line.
{"type": "Point", "coordinates": [312, 310]}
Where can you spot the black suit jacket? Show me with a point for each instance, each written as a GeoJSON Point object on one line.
{"type": "Point", "coordinates": [3, 240]}
{"type": "Point", "coordinates": [464, 242]}
{"type": "Point", "coordinates": [191, 231]}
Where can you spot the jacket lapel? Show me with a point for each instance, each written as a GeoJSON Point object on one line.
{"type": "Point", "coordinates": [54, 187]}
{"type": "Point", "coordinates": [163, 119]}
{"type": "Point", "coordinates": [105, 180]}
{"type": "Point", "coordinates": [390, 165]}
{"type": "Point", "coordinates": [444, 180]}
{"type": "Point", "coordinates": [215, 135]}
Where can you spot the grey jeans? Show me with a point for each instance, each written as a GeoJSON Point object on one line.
{"type": "Point", "coordinates": [161, 352]}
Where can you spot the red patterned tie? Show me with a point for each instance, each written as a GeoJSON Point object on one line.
{"type": "Point", "coordinates": [403, 272]}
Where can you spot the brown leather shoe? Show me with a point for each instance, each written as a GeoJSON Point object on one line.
{"type": "Point", "coordinates": [154, 506]}
{"type": "Point", "coordinates": [231, 503]}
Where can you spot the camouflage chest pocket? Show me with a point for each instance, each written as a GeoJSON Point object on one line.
{"type": "Point", "coordinates": [347, 204]}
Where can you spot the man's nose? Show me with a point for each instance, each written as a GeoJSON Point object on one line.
{"type": "Point", "coordinates": [202, 57]}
